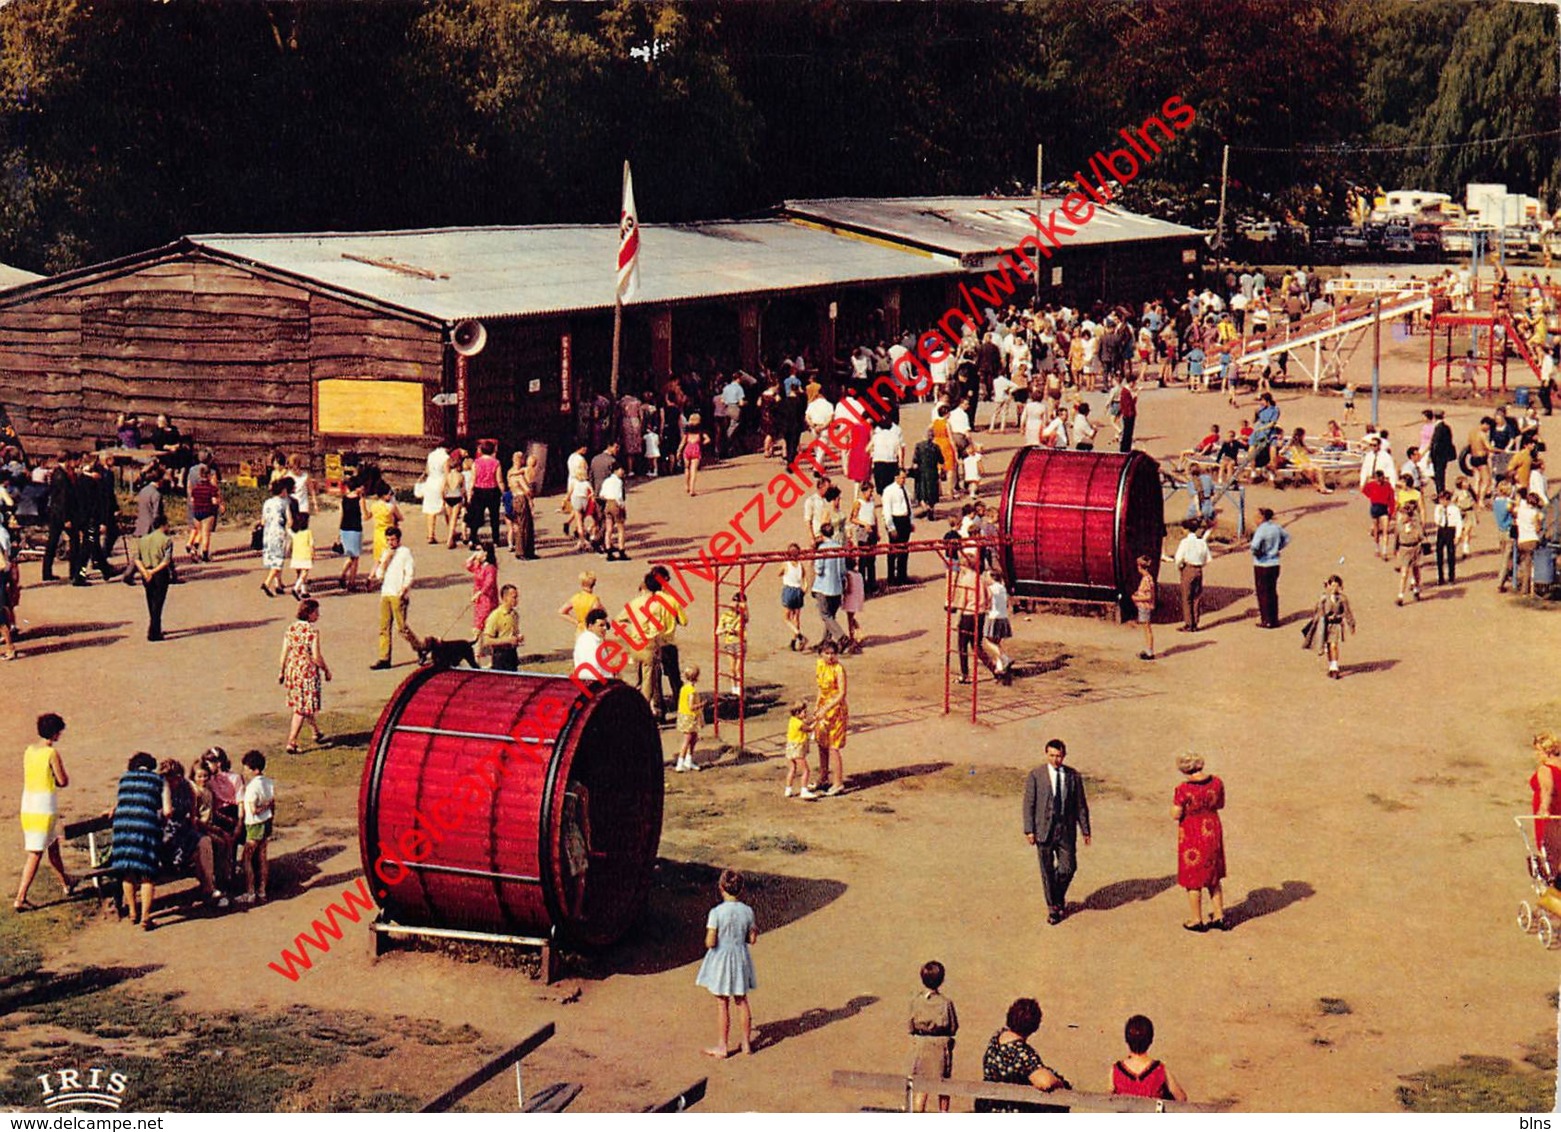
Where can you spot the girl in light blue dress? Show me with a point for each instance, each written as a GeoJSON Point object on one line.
{"type": "Point", "coordinates": [727, 971]}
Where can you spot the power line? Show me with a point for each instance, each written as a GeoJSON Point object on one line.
{"type": "Point", "coordinates": [1345, 147]}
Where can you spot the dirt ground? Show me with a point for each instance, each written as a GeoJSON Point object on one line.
{"type": "Point", "coordinates": [1375, 868]}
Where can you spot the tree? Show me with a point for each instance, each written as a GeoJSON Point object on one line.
{"type": "Point", "coordinates": [1499, 80]}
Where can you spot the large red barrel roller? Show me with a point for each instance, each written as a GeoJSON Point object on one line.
{"type": "Point", "coordinates": [512, 804]}
{"type": "Point", "coordinates": [1077, 521]}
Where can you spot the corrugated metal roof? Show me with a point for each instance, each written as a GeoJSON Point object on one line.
{"type": "Point", "coordinates": [969, 225]}
{"type": "Point", "coordinates": [15, 276]}
{"type": "Point", "coordinates": [456, 273]}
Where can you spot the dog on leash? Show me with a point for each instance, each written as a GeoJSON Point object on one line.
{"type": "Point", "coordinates": [446, 654]}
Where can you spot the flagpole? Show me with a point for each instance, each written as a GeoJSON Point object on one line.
{"type": "Point", "coordinates": [617, 331]}
{"type": "Point", "coordinates": [625, 221]}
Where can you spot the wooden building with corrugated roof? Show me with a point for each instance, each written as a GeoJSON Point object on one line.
{"type": "Point", "coordinates": [342, 342]}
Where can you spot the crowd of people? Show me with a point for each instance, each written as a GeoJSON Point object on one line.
{"type": "Point", "coordinates": [214, 824]}
{"type": "Point", "coordinates": [1035, 370]}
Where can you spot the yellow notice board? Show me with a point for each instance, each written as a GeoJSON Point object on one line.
{"type": "Point", "coordinates": [348, 407]}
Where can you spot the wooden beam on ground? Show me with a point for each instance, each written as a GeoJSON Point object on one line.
{"type": "Point", "coordinates": [476, 1079]}
{"type": "Point", "coordinates": [687, 1099]}
{"type": "Point", "coordinates": [1061, 1100]}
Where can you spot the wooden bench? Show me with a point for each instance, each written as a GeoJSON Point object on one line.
{"type": "Point", "coordinates": [99, 852]}
{"type": "Point", "coordinates": [1059, 1100]}
{"type": "Point", "coordinates": [97, 857]}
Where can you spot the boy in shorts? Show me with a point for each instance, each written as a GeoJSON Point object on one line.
{"type": "Point", "coordinates": [933, 1024]}
{"type": "Point", "coordinates": [259, 807]}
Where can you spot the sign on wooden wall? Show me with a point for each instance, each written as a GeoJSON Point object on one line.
{"type": "Point", "coordinates": [566, 390]}
{"type": "Point", "coordinates": [348, 407]}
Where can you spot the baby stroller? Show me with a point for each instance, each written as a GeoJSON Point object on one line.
{"type": "Point", "coordinates": [30, 522]}
{"type": "Point", "coordinates": [1542, 912]}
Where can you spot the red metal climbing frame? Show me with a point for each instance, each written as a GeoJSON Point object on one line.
{"type": "Point", "coordinates": [749, 567]}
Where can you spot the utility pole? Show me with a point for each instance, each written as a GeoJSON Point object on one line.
{"type": "Point", "coordinates": [1219, 231]}
{"type": "Point", "coordinates": [1376, 358]}
{"type": "Point", "coordinates": [1038, 150]}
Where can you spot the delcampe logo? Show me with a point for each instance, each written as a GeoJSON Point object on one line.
{"type": "Point", "coordinates": [65, 1088]}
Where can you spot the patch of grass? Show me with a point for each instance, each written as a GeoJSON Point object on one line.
{"type": "Point", "coordinates": [1477, 1084]}
{"type": "Point", "coordinates": [360, 1100]}
{"type": "Point", "coordinates": [1005, 782]}
{"type": "Point", "coordinates": [878, 808]}
{"type": "Point", "coordinates": [248, 1062]}
{"type": "Point", "coordinates": [1333, 1006]}
{"type": "Point", "coordinates": [1107, 788]}
{"type": "Point", "coordinates": [701, 854]}
{"type": "Point", "coordinates": [986, 781]}
{"type": "Point", "coordinates": [430, 1032]}
{"type": "Point", "coordinates": [333, 766]}
{"type": "Point", "coordinates": [113, 1013]}
{"type": "Point", "coordinates": [1541, 1054]}
{"type": "Point", "coordinates": [25, 940]}
{"type": "Point", "coordinates": [1466, 762]}
{"type": "Point", "coordinates": [1390, 805]}
{"type": "Point", "coordinates": [695, 809]}
{"type": "Point", "coordinates": [1437, 780]}
{"type": "Point", "coordinates": [785, 843]}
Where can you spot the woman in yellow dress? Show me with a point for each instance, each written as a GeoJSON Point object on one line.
{"type": "Point", "coordinates": [1299, 456]}
{"type": "Point", "coordinates": [831, 715]}
{"type": "Point", "coordinates": [43, 773]}
{"type": "Point", "coordinates": [945, 441]}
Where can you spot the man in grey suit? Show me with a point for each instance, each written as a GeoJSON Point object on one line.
{"type": "Point", "coordinates": [1055, 812]}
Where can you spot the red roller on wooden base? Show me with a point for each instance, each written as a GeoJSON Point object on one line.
{"type": "Point", "coordinates": [1077, 521]}
{"type": "Point", "coordinates": [470, 814]}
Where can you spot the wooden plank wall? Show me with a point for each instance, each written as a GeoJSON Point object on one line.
{"type": "Point", "coordinates": [222, 351]}
{"type": "Point", "coordinates": [360, 343]}
{"type": "Point", "coordinates": [227, 353]}
{"type": "Point", "coordinates": [40, 372]}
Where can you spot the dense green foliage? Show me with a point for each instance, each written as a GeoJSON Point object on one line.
{"type": "Point", "coordinates": [124, 124]}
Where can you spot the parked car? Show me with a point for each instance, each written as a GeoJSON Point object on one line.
{"type": "Point", "coordinates": [1397, 239]}
{"type": "Point", "coordinates": [1427, 238]}
{"type": "Point", "coordinates": [1457, 240]}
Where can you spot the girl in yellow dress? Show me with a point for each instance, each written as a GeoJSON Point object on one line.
{"type": "Point", "coordinates": [385, 514]}
{"type": "Point", "coordinates": [831, 716]}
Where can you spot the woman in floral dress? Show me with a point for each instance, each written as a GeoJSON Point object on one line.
{"type": "Point", "coordinates": [302, 666]}
{"type": "Point", "coordinates": [1200, 841]}
{"type": "Point", "coordinates": [1011, 1060]}
{"type": "Point", "coordinates": [273, 536]}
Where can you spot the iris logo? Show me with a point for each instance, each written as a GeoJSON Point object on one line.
{"type": "Point", "coordinates": [66, 1088]}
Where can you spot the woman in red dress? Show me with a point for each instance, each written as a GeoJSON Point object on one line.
{"type": "Point", "coordinates": [857, 459]}
{"type": "Point", "coordinates": [1200, 841]}
{"type": "Point", "coordinates": [1546, 785]}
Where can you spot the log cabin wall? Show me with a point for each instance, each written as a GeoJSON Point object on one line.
{"type": "Point", "coordinates": [40, 372]}
{"type": "Point", "coordinates": [232, 355]}
{"type": "Point", "coordinates": [223, 351]}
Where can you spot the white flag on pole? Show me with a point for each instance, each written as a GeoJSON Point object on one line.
{"type": "Point", "coordinates": [628, 241]}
